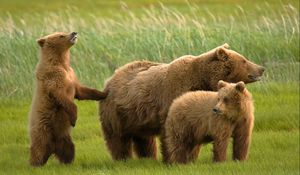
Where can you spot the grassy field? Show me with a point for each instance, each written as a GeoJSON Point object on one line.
{"type": "Point", "coordinates": [274, 148]}
{"type": "Point", "coordinates": [113, 33]}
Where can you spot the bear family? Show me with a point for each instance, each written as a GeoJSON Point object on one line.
{"type": "Point", "coordinates": [53, 111]}
{"type": "Point", "coordinates": [141, 92]}
{"type": "Point", "coordinates": [199, 117]}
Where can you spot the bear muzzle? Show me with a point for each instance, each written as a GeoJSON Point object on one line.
{"type": "Point", "coordinates": [73, 37]}
{"type": "Point", "coordinates": [216, 110]}
{"type": "Point", "coordinates": [257, 76]}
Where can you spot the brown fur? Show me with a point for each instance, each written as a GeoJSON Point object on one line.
{"type": "Point", "coordinates": [202, 116]}
{"type": "Point", "coordinates": [141, 93]}
{"type": "Point", "coordinates": [53, 111]}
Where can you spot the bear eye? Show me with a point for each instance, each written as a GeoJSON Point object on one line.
{"type": "Point", "coordinates": [225, 58]}
{"type": "Point", "coordinates": [61, 36]}
{"type": "Point", "coordinates": [225, 100]}
{"type": "Point", "coordinates": [244, 61]}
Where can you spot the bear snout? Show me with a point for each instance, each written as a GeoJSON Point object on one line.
{"type": "Point", "coordinates": [73, 37]}
{"type": "Point", "coordinates": [256, 76]}
{"type": "Point", "coordinates": [261, 70]}
{"type": "Point", "coordinates": [253, 78]}
{"type": "Point", "coordinates": [216, 110]}
{"type": "Point", "coordinates": [74, 33]}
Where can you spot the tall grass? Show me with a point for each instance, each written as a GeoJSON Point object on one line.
{"type": "Point", "coordinates": [157, 34]}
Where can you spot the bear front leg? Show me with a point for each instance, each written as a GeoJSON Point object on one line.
{"type": "Point", "coordinates": [57, 92]}
{"type": "Point", "coordinates": [241, 140]}
{"type": "Point", "coordinates": [71, 110]}
{"type": "Point", "coordinates": [219, 149]}
{"type": "Point", "coordinates": [163, 146]}
{"type": "Point", "coordinates": [85, 93]}
{"type": "Point", "coordinates": [195, 152]}
{"type": "Point", "coordinates": [145, 147]}
{"type": "Point", "coordinates": [182, 153]}
{"type": "Point", "coordinates": [68, 105]}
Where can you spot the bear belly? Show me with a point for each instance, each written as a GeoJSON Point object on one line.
{"type": "Point", "coordinates": [139, 123]}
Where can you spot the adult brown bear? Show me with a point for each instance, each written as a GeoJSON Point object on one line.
{"type": "Point", "coordinates": [141, 92]}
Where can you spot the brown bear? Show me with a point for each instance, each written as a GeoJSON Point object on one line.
{"type": "Point", "coordinates": [140, 94]}
{"type": "Point", "coordinates": [53, 111]}
{"type": "Point", "coordinates": [203, 116]}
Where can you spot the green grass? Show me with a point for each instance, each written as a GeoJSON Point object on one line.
{"type": "Point", "coordinates": [113, 33]}
{"type": "Point", "coordinates": [271, 153]}
{"type": "Point", "coordinates": [274, 149]}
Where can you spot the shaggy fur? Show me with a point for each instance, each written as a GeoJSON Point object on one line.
{"type": "Point", "coordinates": [53, 111]}
{"type": "Point", "coordinates": [142, 92]}
{"type": "Point", "coordinates": [202, 116]}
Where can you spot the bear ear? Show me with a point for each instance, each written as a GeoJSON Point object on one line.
{"type": "Point", "coordinates": [240, 86]}
{"type": "Point", "coordinates": [41, 41]}
{"type": "Point", "coordinates": [221, 84]}
{"type": "Point", "coordinates": [222, 54]}
{"type": "Point", "coordinates": [226, 46]}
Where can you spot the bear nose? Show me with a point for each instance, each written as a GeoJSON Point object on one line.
{"type": "Point", "coordinates": [262, 69]}
{"type": "Point", "coordinates": [74, 33]}
{"type": "Point", "coordinates": [215, 110]}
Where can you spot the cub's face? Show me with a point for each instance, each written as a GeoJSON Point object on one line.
{"type": "Point", "coordinates": [229, 98]}
{"type": "Point", "coordinates": [58, 41]}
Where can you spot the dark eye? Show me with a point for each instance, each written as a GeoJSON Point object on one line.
{"type": "Point", "coordinates": [226, 100]}
{"type": "Point", "coordinates": [225, 58]}
{"type": "Point", "coordinates": [244, 61]}
{"type": "Point", "coordinates": [61, 36]}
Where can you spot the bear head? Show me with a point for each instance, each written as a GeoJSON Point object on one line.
{"type": "Point", "coordinates": [58, 42]}
{"type": "Point", "coordinates": [240, 68]}
{"type": "Point", "coordinates": [232, 98]}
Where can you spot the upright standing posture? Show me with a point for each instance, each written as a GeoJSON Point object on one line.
{"type": "Point", "coordinates": [53, 111]}
{"type": "Point", "coordinates": [202, 116]}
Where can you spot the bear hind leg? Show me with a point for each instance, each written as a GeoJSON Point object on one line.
{"type": "Point", "coordinates": [145, 147]}
{"type": "Point", "coordinates": [65, 149]}
{"type": "Point", "coordinates": [120, 147]}
{"type": "Point", "coordinates": [40, 150]}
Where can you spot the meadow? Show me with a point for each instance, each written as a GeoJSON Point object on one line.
{"type": "Point", "coordinates": [114, 33]}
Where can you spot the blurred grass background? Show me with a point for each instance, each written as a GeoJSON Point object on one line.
{"type": "Point", "coordinates": [266, 34]}
{"type": "Point", "coordinates": [112, 33]}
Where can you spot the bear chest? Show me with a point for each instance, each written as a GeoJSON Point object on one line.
{"type": "Point", "coordinates": [70, 76]}
{"type": "Point", "coordinates": [70, 81]}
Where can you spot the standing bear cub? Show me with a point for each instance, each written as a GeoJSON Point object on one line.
{"type": "Point", "coordinates": [203, 116]}
{"type": "Point", "coordinates": [141, 92]}
{"type": "Point", "coordinates": [53, 111]}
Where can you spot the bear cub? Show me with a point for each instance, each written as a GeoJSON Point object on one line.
{"type": "Point", "coordinates": [201, 117]}
{"type": "Point", "coordinates": [53, 110]}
